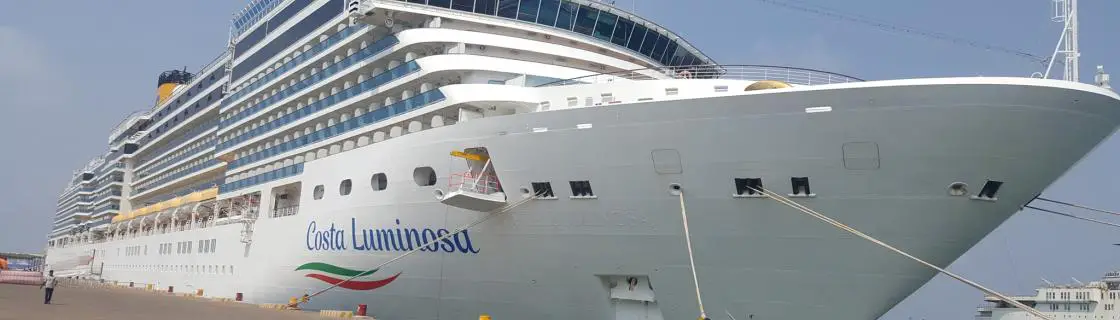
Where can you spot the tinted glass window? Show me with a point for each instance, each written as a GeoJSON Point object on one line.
{"type": "Point", "coordinates": [485, 6]}
{"type": "Point", "coordinates": [679, 54]}
{"type": "Point", "coordinates": [528, 10]}
{"type": "Point", "coordinates": [659, 49]}
{"type": "Point", "coordinates": [689, 60]}
{"type": "Point", "coordinates": [605, 25]}
{"type": "Point", "coordinates": [440, 3]}
{"type": "Point", "coordinates": [636, 37]}
{"type": "Point", "coordinates": [287, 13]}
{"type": "Point", "coordinates": [325, 13]}
{"type": "Point", "coordinates": [547, 14]}
{"type": "Point", "coordinates": [464, 5]}
{"type": "Point", "coordinates": [507, 9]}
{"type": "Point", "coordinates": [567, 16]}
{"type": "Point", "coordinates": [249, 41]}
{"type": "Point", "coordinates": [257, 35]}
{"type": "Point", "coordinates": [668, 56]}
{"type": "Point", "coordinates": [649, 42]}
{"type": "Point", "coordinates": [622, 31]}
{"type": "Point", "coordinates": [585, 20]}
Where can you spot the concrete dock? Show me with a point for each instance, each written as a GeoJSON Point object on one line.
{"type": "Point", "coordinates": [70, 301]}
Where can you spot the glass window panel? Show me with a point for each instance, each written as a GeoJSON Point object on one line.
{"type": "Point", "coordinates": [418, 1]}
{"type": "Point", "coordinates": [666, 59]}
{"type": "Point", "coordinates": [507, 9]}
{"type": "Point", "coordinates": [527, 11]}
{"type": "Point", "coordinates": [636, 37]}
{"type": "Point", "coordinates": [440, 3]}
{"type": "Point", "coordinates": [622, 31]}
{"type": "Point", "coordinates": [659, 49]}
{"type": "Point", "coordinates": [585, 20]}
{"type": "Point", "coordinates": [464, 5]}
{"type": "Point", "coordinates": [604, 26]}
{"type": "Point", "coordinates": [679, 55]}
{"type": "Point", "coordinates": [649, 42]}
{"type": "Point", "coordinates": [566, 18]}
{"type": "Point", "coordinates": [485, 6]}
{"type": "Point", "coordinates": [547, 15]}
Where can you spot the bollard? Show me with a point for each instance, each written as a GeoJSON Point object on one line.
{"type": "Point", "coordinates": [238, 297]}
{"type": "Point", "coordinates": [361, 310]}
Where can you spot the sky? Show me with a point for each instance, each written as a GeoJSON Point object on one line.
{"type": "Point", "coordinates": [67, 77]}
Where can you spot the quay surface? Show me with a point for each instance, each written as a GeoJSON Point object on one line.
{"type": "Point", "coordinates": [75, 301]}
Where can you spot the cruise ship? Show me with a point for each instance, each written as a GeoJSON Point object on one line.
{"type": "Point", "coordinates": [1095, 300]}
{"type": "Point", "coordinates": [535, 159]}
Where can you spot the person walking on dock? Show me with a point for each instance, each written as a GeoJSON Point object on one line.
{"type": "Point", "coordinates": [48, 283]}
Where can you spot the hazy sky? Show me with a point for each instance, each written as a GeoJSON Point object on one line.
{"type": "Point", "coordinates": [71, 70]}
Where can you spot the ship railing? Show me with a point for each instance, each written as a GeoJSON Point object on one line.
{"type": "Point", "coordinates": [480, 183]}
{"type": "Point", "coordinates": [285, 211]}
{"type": "Point", "coordinates": [790, 75]}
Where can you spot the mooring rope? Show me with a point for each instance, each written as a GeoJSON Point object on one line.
{"type": "Point", "coordinates": [838, 224]}
{"type": "Point", "coordinates": [691, 262]}
{"type": "Point", "coordinates": [1080, 206]}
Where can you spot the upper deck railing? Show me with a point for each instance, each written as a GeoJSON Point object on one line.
{"type": "Point", "coordinates": [791, 75]}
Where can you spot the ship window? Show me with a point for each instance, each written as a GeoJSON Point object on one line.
{"type": "Point", "coordinates": [649, 42]}
{"type": "Point", "coordinates": [527, 11]}
{"type": "Point", "coordinates": [462, 5]}
{"type": "Point", "coordinates": [622, 31]}
{"type": "Point", "coordinates": [566, 17]}
{"type": "Point", "coordinates": [636, 37]}
{"type": "Point", "coordinates": [379, 182]}
{"type": "Point", "coordinates": [507, 9]}
{"type": "Point", "coordinates": [800, 186]}
{"type": "Point", "coordinates": [440, 3]}
{"type": "Point", "coordinates": [424, 176]}
{"type": "Point", "coordinates": [581, 189]}
{"type": "Point", "coordinates": [604, 26]}
{"type": "Point", "coordinates": [318, 193]}
{"type": "Point", "coordinates": [344, 187]}
{"type": "Point", "coordinates": [585, 20]}
{"type": "Point", "coordinates": [659, 48]}
{"type": "Point", "coordinates": [213, 244]}
{"type": "Point", "coordinates": [666, 59]}
{"type": "Point", "coordinates": [485, 6]}
{"type": "Point", "coordinates": [547, 14]}
{"type": "Point", "coordinates": [543, 190]}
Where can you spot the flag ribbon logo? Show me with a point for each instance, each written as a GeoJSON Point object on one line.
{"type": "Point", "coordinates": [340, 275]}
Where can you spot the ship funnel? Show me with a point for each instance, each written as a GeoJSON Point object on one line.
{"type": "Point", "coordinates": [168, 81]}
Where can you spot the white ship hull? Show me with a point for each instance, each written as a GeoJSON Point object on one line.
{"type": "Point", "coordinates": [554, 259]}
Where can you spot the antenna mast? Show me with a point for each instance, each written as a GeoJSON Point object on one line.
{"type": "Point", "coordinates": [1065, 11]}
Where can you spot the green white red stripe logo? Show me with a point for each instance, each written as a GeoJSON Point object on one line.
{"type": "Point", "coordinates": [340, 275]}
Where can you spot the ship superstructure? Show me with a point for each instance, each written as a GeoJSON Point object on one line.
{"type": "Point", "coordinates": [563, 138]}
{"type": "Point", "coordinates": [1093, 300]}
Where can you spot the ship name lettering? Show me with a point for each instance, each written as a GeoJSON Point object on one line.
{"type": "Point", "coordinates": [327, 239]}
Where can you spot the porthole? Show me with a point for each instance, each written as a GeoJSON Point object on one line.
{"type": "Point", "coordinates": [344, 187]}
{"type": "Point", "coordinates": [424, 176]}
{"type": "Point", "coordinates": [319, 192]}
{"type": "Point", "coordinates": [378, 182]}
